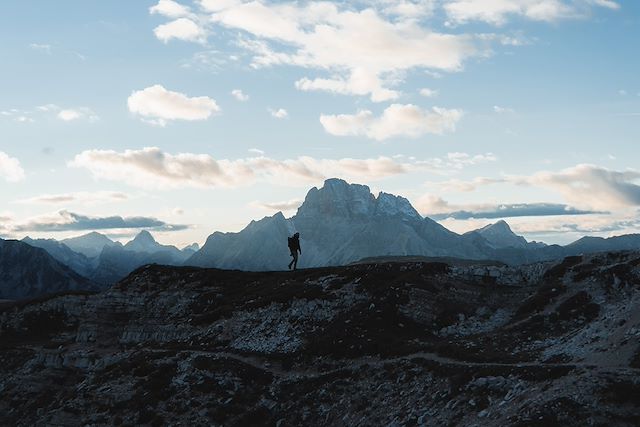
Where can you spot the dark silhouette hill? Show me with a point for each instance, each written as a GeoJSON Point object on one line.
{"type": "Point", "coordinates": [401, 343]}
{"type": "Point", "coordinates": [27, 271]}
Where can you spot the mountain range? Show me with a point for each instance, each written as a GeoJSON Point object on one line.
{"type": "Point", "coordinates": [339, 224]}
{"type": "Point", "coordinates": [104, 261]}
{"type": "Point", "coordinates": [342, 223]}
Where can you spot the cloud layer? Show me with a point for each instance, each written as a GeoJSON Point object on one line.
{"type": "Point", "coordinates": [10, 168]}
{"type": "Point", "coordinates": [497, 12]}
{"type": "Point", "coordinates": [396, 120]}
{"type": "Point", "coordinates": [69, 221]}
{"type": "Point", "coordinates": [158, 105]}
{"type": "Point", "coordinates": [93, 197]}
{"type": "Point", "coordinates": [152, 168]}
{"type": "Point", "coordinates": [591, 186]}
{"type": "Point", "coordinates": [364, 50]}
{"type": "Point", "coordinates": [510, 211]}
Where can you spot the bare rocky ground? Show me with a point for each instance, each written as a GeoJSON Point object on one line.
{"type": "Point", "coordinates": [397, 343]}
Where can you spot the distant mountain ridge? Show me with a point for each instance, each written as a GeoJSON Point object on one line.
{"type": "Point", "coordinates": [104, 261]}
{"type": "Point", "coordinates": [342, 223]}
{"type": "Point", "coordinates": [500, 235]}
{"type": "Point", "coordinates": [339, 223]}
{"type": "Point", "coordinates": [28, 271]}
{"type": "Point", "coordinates": [90, 245]}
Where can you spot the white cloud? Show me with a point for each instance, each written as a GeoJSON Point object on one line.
{"type": "Point", "coordinates": [428, 93]}
{"type": "Point", "coordinates": [583, 186]}
{"type": "Point", "coordinates": [207, 60]}
{"type": "Point", "coordinates": [360, 82]}
{"type": "Point", "coordinates": [24, 119]}
{"type": "Point", "coordinates": [408, 9]}
{"type": "Point", "coordinates": [153, 168]}
{"type": "Point", "coordinates": [366, 48]}
{"type": "Point", "coordinates": [503, 110]}
{"type": "Point", "coordinates": [610, 4]}
{"type": "Point", "coordinates": [280, 113]}
{"type": "Point", "coordinates": [397, 120]}
{"type": "Point", "coordinates": [64, 220]}
{"type": "Point", "coordinates": [51, 110]}
{"type": "Point", "coordinates": [10, 168]}
{"type": "Point", "coordinates": [158, 105]}
{"type": "Point", "coordinates": [181, 29]}
{"type": "Point", "coordinates": [170, 9]}
{"type": "Point", "coordinates": [46, 48]}
{"type": "Point", "coordinates": [239, 95]}
{"type": "Point", "coordinates": [289, 205]}
{"type": "Point", "coordinates": [48, 107]}
{"type": "Point", "coordinates": [72, 114]}
{"type": "Point", "coordinates": [590, 186]}
{"type": "Point", "coordinates": [83, 197]}
{"type": "Point", "coordinates": [461, 186]}
{"type": "Point", "coordinates": [497, 12]}
{"type": "Point", "coordinates": [256, 151]}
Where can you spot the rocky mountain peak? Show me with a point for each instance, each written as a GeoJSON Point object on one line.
{"type": "Point", "coordinates": [192, 247]}
{"type": "Point", "coordinates": [500, 234]}
{"type": "Point", "coordinates": [90, 244]}
{"type": "Point", "coordinates": [338, 198]}
{"type": "Point", "coordinates": [143, 242]}
{"type": "Point", "coordinates": [497, 227]}
{"type": "Point", "coordinates": [391, 205]}
{"type": "Point", "coordinates": [144, 237]}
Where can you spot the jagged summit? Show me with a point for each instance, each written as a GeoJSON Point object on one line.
{"type": "Point", "coordinates": [338, 198]}
{"type": "Point", "coordinates": [500, 235]}
{"type": "Point", "coordinates": [192, 247]}
{"type": "Point", "coordinates": [391, 205]}
{"type": "Point", "coordinates": [143, 242]}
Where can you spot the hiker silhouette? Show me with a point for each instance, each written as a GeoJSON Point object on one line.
{"type": "Point", "coordinates": [294, 248]}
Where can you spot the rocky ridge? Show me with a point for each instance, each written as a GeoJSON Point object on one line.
{"type": "Point", "coordinates": [396, 343]}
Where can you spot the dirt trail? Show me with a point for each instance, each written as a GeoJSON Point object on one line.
{"type": "Point", "coordinates": [277, 370]}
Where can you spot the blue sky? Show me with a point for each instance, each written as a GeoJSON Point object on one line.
{"type": "Point", "coordinates": [195, 116]}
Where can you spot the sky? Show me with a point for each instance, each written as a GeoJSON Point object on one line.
{"type": "Point", "coordinates": [189, 117]}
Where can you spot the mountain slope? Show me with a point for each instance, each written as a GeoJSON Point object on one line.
{"type": "Point", "coordinates": [27, 271]}
{"type": "Point", "coordinates": [413, 343]}
{"type": "Point", "coordinates": [500, 235]}
{"type": "Point", "coordinates": [78, 262]}
{"type": "Point", "coordinates": [90, 244]}
{"type": "Point", "coordinates": [116, 262]}
{"type": "Point", "coordinates": [338, 224]}
{"type": "Point", "coordinates": [341, 223]}
{"type": "Point", "coordinates": [599, 244]}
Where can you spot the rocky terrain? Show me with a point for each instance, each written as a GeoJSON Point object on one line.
{"type": "Point", "coordinates": [377, 343]}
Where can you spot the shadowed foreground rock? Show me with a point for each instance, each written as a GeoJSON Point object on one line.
{"type": "Point", "coordinates": [396, 343]}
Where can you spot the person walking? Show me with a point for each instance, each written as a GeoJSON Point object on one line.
{"type": "Point", "coordinates": [294, 248]}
